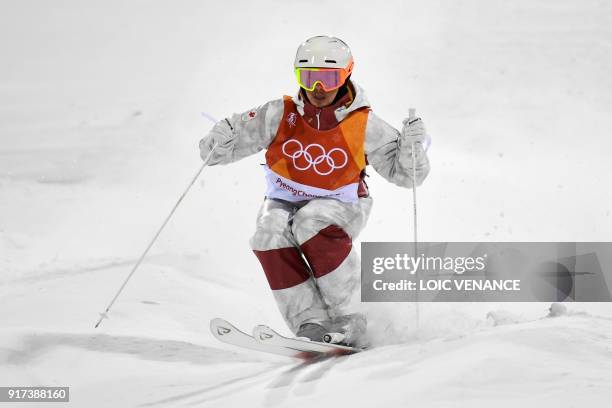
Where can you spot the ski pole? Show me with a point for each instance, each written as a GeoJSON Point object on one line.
{"type": "Point", "coordinates": [104, 315]}
{"type": "Point", "coordinates": [412, 118]}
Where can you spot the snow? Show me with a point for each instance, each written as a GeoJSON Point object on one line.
{"type": "Point", "coordinates": [101, 109]}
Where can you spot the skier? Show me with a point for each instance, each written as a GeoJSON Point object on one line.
{"type": "Point", "coordinates": [316, 203]}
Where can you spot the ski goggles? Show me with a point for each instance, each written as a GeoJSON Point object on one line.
{"type": "Point", "coordinates": [329, 78]}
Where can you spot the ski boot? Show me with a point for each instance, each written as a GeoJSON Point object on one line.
{"type": "Point", "coordinates": [347, 330]}
{"type": "Point", "coordinates": [312, 331]}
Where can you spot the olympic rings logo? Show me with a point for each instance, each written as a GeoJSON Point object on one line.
{"type": "Point", "coordinates": [308, 156]}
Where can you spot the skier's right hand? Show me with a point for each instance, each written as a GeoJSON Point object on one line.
{"type": "Point", "coordinates": [220, 138]}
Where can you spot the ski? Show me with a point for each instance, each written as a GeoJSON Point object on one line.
{"type": "Point", "coordinates": [226, 332]}
{"type": "Point", "coordinates": [265, 335]}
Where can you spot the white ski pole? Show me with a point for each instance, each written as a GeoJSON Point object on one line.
{"type": "Point", "coordinates": [412, 118]}
{"type": "Point", "coordinates": [104, 315]}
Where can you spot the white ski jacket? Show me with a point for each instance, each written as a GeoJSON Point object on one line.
{"type": "Point", "coordinates": [244, 134]}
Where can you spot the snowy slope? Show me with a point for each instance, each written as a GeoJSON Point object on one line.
{"type": "Point", "coordinates": [101, 109]}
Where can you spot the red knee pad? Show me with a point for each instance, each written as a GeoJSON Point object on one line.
{"type": "Point", "coordinates": [327, 250]}
{"type": "Point", "coordinates": [284, 267]}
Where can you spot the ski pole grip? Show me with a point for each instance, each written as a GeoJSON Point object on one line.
{"type": "Point", "coordinates": [412, 116]}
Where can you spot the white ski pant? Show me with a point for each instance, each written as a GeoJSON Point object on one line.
{"type": "Point", "coordinates": [306, 251]}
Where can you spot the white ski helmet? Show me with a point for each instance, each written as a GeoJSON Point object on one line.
{"type": "Point", "coordinates": [324, 51]}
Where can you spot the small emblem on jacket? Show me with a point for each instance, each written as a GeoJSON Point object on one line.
{"type": "Point", "coordinates": [249, 115]}
{"type": "Point", "coordinates": [292, 119]}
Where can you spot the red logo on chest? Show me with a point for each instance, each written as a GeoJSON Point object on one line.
{"type": "Point", "coordinates": [292, 119]}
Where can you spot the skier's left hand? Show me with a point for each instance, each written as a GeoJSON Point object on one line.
{"type": "Point", "coordinates": [414, 131]}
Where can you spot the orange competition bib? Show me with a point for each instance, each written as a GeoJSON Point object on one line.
{"type": "Point", "coordinates": [303, 163]}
